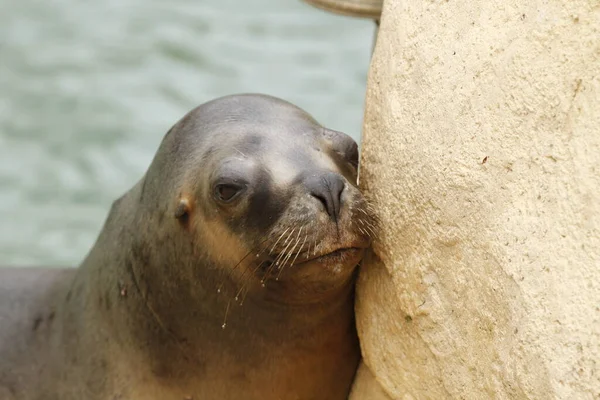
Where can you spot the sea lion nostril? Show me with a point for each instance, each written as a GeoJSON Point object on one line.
{"type": "Point", "coordinates": [327, 188]}
{"type": "Point", "coordinates": [323, 198]}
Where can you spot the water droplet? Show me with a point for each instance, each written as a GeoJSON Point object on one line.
{"type": "Point", "coordinates": [262, 284]}
{"type": "Point", "coordinates": [223, 326]}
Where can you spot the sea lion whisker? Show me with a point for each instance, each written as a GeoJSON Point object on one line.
{"type": "Point", "coordinates": [299, 251]}
{"type": "Point", "coordinates": [242, 260]}
{"type": "Point", "coordinates": [369, 221]}
{"type": "Point", "coordinates": [273, 248]}
{"type": "Point", "coordinates": [281, 264]}
{"type": "Point", "coordinates": [280, 261]}
{"type": "Point", "coordinates": [281, 255]}
{"type": "Point", "coordinates": [366, 228]}
{"type": "Point", "coordinates": [289, 236]}
{"type": "Point", "coordinates": [237, 295]}
{"type": "Point", "coordinates": [257, 255]}
{"type": "Point", "coordinates": [277, 260]}
{"type": "Point", "coordinates": [370, 226]}
{"type": "Point", "coordinates": [290, 253]}
{"type": "Point", "coordinates": [373, 214]}
{"type": "Point", "coordinates": [252, 250]}
{"type": "Point", "coordinates": [244, 284]}
{"type": "Point", "coordinates": [371, 229]}
{"type": "Point", "coordinates": [308, 250]}
{"type": "Point", "coordinates": [229, 271]}
{"type": "Point", "coordinates": [226, 312]}
{"type": "Point", "coordinates": [267, 274]}
{"type": "Point", "coordinates": [366, 225]}
{"type": "Point", "coordinates": [243, 297]}
{"type": "Point", "coordinates": [369, 207]}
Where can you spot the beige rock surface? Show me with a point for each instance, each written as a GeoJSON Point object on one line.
{"type": "Point", "coordinates": [481, 149]}
{"type": "Point", "coordinates": [366, 386]}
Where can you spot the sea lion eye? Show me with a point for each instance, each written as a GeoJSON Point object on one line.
{"type": "Point", "coordinates": [226, 192]}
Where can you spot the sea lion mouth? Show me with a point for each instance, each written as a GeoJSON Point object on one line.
{"type": "Point", "coordinates": [341, 255]}
{"type": "Point", "coordinates": [336, 256]}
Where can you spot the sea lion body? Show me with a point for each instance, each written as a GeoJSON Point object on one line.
{"type": "Point", "coordinates": [225, 273]}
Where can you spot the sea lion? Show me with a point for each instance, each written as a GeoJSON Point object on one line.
{"type": "Point", "coordinates": [226, 272]}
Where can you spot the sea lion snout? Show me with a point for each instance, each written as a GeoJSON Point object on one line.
{"type": "Point", "coordinates": [327, 188]}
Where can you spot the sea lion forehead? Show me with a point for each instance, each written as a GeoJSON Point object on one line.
{"type": "Point", "coordinates": [284, 139]}
{"type": "Point", "coordinates": [253, 107]}
{"type": "Point", "coordinates": [242, 115]}
{"type": "Point", "coordinates": [251, 125]}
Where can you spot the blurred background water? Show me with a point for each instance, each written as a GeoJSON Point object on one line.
{"type": "Point", "coordinates": [89, 88]}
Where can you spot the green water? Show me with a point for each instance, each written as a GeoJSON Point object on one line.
{"type": "Point", "coordinates": [88, 89]}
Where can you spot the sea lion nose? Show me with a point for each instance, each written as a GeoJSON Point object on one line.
{"type": "Point", "coordinates": [327, 188]}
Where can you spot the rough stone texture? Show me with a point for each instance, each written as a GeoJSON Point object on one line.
{"type": "Point", "coordinates": [481, 149]}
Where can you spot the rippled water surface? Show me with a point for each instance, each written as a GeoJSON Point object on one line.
{"type": "Point", "coordinates": [88, 89]}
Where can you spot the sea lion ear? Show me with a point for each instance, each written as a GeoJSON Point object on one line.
{"type": "Point", "coordinates": [342, 144]}
{"type": "Point", "coordinates": [182, 211]}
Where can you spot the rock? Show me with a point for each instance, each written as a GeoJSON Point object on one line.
{"type": "Point", "coordinates": [481, 150]}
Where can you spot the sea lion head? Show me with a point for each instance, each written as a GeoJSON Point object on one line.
{"type": "Point", "coordinates": [253, 189]}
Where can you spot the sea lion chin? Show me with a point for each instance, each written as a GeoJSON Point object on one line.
{"type": "Point", "coordinates": [225, 273]}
